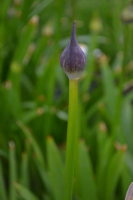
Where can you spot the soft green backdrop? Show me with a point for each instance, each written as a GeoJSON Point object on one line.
{"type": "Point", "coordinates": [34, 100]}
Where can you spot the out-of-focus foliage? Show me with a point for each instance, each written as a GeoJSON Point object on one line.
{"type": "Point", "coordinates": [34, 100]}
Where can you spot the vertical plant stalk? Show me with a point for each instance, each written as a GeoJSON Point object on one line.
{"type": "Point", "coordinates": [73, 62]}
{"type": "Point", "coordinates": [71, 137]}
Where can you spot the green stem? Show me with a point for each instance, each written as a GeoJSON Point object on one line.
{"type": "Point", "coordinates": [71, 137]}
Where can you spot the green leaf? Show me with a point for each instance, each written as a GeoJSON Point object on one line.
{"type": "Point", "coordinates": [24, 170]}
{"type": "Point", "coordinates": [109, 88]}
{"type": "Point", "coordinates": [86, 182]}
{"type": "Point", "coordinates": [44, 177]}
{"type": "Point", "coordinates": [45, 197]}
{"type": "Point", "coordinates": [4, 8]}
{"type": "Point", "coordinates": [127, 122]}
{"type": "Point", "coordinates": [103, 160]}
{"type": "Point", "coordinates": [102, 138]}
{"type": "Point", "coordinates": [126, 180]}
{"type": "Point", "coordinates": [114, 172]}
{"type": "Point", "coordinates": [24, 42]}
{"type": "Point", "coordinates": [90, 62]}
{"type": "Point", "coordinates": [24, 192]}
{"type": "Point", "coordinates": [35, 146]}
{"type": "Point", "coordinates": [13, 171]}
{"type": "Point", "coordinates": [3, 195]}
{"type": "Point", "coordinates": [3, 153]}
{"type": "Point", "coordinates": [40, 7]}
{"type": "Point", "coordinates": [56, 169]}
{"type": "Point", "coordinates": [129, 161]}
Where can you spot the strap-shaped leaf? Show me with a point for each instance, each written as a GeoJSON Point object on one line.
{"type": "Point", "coordinates": [3, 194]}
{"type": "Point", "coordinates": [35, 146]}
{"type": "Point", "coordinates": [114, 172]}
{"type": "Point", "coordinates": [56, 169]}
{"type": "Point", "coordinates": [25, 193]}
{"type": "Point", "coordinates": [12, 171]}
{"type": "Point", "coordinates": [85, 176]}
{"type": "Point", "coordinates": [109, 88]}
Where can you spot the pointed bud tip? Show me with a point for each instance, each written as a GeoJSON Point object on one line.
{"type": "Point", "coordinates": [74, 23]}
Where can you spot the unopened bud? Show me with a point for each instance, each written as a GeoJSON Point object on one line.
{"type": "Point", "coordinates": [73, 59]}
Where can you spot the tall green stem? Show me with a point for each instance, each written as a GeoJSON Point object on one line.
{"type": "Point", "coordinates": [71, 137]}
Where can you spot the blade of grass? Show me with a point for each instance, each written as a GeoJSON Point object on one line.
{"type": "Point", "coordinates": [127, 111]}
{"type": "Point", "coordinates": [40, 8]}
{"type": "Point", "coordinates": [51, 82]}
{"type": "Point", "coordinates": [56, 169]}
{"type": "Point", "coordinates": [26, 9]}
{"type": "Point", "coordinates": [24, 170]}
{"type": "Point", "coordinates": [41, 45]}
{"type": "Point", "coordinates": [90, 63]}
{"type": "Point", "coordinates": [101, 139]}
{"type": "Point", "coordinates": [35, 146]}
{"type": "Point", "coordinates": [76, 165]}
{"type": "Point", "coordinates": [122, 79]}
{"type": "Point", "coordinates": [109, 88]}
{"type": "Point", "coordinates": [3, 193]}
{"type": "Point", "coordinates": [129, 161]}
{"type": "Point", "coordinates": [114, 173]}
{"type": "Point", "coordinates": [2, 41]}
{"type": "Point", "coordinates": [45, 179]}
{"type": "Point", "coordinates": [3, 154]}
{"type": "Point", "coordinates": [46, 197]}
{"type": "Point", "coordinates": [4, 8]}
{"type": "Point", "coordinates": [25, 40]}
{"type": "Point", "coordinates": [126, 180]}
{"type": "Point", "coordinates": [87, 185]}
{"type": "Point", "coordinates": [102, 167]}
{"type": "Point", "coordinates": [42, 77]}
{"type": "Point", "coordinates": [14, 75]}
{"type": "Point", "coordinates": [13, 172]}
{"type": "Point", "coordinates": [24, 192]}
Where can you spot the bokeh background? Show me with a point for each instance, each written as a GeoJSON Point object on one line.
{"type": "Point", "coordinates": [34, 99]}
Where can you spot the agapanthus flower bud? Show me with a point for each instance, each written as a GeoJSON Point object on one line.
{"type": "Point", "coordinates": [129, 195]}
{"type": "Point", "coordinates": [127, 14]}
{"type": "Point", "coordinates": [73, 59]}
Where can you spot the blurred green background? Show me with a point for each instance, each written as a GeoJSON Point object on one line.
{"type": "Point", "coordinates": [34, 99]}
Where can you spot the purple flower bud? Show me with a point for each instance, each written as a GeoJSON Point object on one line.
{"type": "Point", "coordinates": [129, 195]}
{"type": "Point", "coordinates": [73, 59]}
